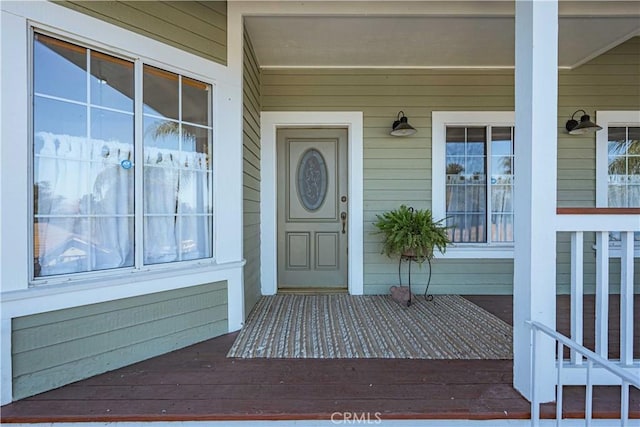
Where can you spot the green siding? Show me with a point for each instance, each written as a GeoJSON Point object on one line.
{"type": "Point", "coordinates": [251, 174]}
{"type": "Point", "coordinates": [56, 348]}
{"type": "Point", "coordinates": [398, 170]}
{"type": "Point", "coordinates": [198, 27]}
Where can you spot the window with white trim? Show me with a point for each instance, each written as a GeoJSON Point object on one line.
{"type": "Point", "coordinates": [122, 168]}
{"type": "Point", "coordinates": [618, 164]}
{"type": "Point", "coordinates": [473, 177]}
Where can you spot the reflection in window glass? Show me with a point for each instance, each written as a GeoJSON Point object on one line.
{"type": "Point", "coordinates": [466, 184]}
{"type": "Point", "coordinates": [195, 102]}
{"type": "Point", "coordinates": [471, 200]}
{"type": "Point", "coordinates": [177, 178]}
{"type": "Point", "coordinates": [59, 68]}
{"type": "Point", "coordinates": [501, 184]}
{"type": "Point", "coordinates": [624, 170]}
{"type": "Point", "coordinates": [111, 82]}
{"type": "Point", "coordinates": [160, 92]}
{"type": "Point", "coordinates": [83, 198]}
{"type": "Point", "coordinates": [84, 139]}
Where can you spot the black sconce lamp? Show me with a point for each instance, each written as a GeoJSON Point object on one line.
{"type": "Point", "coordinates": [401, 126]}
{"type": "Point", "coordinates": [585, 125]}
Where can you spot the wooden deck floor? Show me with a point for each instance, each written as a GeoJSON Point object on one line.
{"type": "Point", "coordinates": [200, 383]}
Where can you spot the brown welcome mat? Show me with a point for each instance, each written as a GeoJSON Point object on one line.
{"type": "Point", "coordinates": [371, 326]}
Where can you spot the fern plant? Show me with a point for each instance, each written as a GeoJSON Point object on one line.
{"type": "Point", "coordinates": [411, 232]}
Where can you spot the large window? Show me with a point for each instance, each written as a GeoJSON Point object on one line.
{"type": "Point", "coordinates": [473, 179]}
{"type": "Point", "coordinates": [618, 164]}
{"type": "Point", "coordinates": [122, 172]}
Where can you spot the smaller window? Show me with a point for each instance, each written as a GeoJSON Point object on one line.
{"type": "Point", "coordinates": [472, 201]}
{"type": "Point", "coordinates": [623, 172]}
{"type": "Point", "coordinates": [472, 178]}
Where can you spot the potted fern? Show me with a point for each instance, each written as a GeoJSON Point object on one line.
{"type": "Point", "coordinates": [414, 235]}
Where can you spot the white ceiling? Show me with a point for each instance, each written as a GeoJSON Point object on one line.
{"type": "Point", "coordinates": [422, 41]}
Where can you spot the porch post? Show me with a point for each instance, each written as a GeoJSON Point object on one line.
{"type": "Point", "coordinates": [536, 99]}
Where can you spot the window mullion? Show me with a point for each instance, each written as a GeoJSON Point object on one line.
{"type": "Point", "coordinates": [180, 172]}
{"type": "Point", "coordinates": [488, 168]}
{"type": "Point", "coordinates": [138, 147]}
{"type": "Point", "coordinates": [90, 262]}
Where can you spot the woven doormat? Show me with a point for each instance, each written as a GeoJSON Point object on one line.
{"type": "Point", "coordinates": [371, 326]}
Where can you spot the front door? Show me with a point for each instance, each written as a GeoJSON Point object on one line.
{"type": "Point", "coordinates": [312, 208]}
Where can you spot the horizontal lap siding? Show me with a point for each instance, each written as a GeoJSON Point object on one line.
{"type": "Point", "coordinates": [398, 170]}
{"type": "Point", "coordinates": [60, 347]}
{"type": "Point", "coordinates": [251, 175]}
{"type": "Point", "coordinates": [198, 27]}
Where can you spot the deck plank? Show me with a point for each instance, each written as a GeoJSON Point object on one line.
{"type": "Point", "coordinates": [200, 383]}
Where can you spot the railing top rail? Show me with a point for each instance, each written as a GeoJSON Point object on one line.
{"type": "Point", "coordinates": [598, 211]}
{"type": "Point", "coordinates": [631, 379]}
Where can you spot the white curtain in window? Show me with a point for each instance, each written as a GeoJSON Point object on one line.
{"type": "Point", "coordinates": [84, 205]}
{"type": "Point", "coordinates": [177, 211]}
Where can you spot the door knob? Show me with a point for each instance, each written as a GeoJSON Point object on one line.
{"type": "Point", "coordinates": [343, 217]}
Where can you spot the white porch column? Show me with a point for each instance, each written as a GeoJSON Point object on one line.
{"type": "Point", "coordinates": [536, 100]}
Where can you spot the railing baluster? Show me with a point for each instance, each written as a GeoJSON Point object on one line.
{"type": "Point", "coordinates": [535, 405]}
{"type": "Point", "coordinates": [624, 404]}
{"type": "Point", "coordinates": [559, 390]}
{"type": "Point", "coordinates": [588, 400]}
{"type": "Point", "coordinates": [577, 292]}
{"type": "Point", "coordinates": [602, 293]}
{"type": "Point", "coordinates": [626, 299]}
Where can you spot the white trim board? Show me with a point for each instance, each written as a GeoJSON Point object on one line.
{"type": "Point", "coordinates": [269, 124]}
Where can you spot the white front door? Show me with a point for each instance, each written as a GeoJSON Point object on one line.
{"type": "Point", "coordinates": [312, 208]}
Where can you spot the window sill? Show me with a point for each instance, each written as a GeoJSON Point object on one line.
{"type": "Point", "coordinates": [121, 285]}
{"type": "Point", "coordinates": [478, 251]}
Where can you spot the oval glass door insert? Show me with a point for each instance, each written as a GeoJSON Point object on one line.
{"type": "Point", "coordinates": [312, 179]}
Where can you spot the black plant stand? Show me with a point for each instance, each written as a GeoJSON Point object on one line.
{"type": "Point", "coordinates": [408, 259]}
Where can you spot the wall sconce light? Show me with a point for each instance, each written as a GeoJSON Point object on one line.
{"type": "Point", "coordinates": [401, 126]}
{"type": "Point", "coordinates": [585, 125]}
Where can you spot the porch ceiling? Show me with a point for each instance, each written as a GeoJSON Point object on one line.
{"type": "Point", "coordinates": [424, 41]}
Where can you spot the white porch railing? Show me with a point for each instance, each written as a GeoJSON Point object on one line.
{"type": "Point", "coordinates": [586, 367]}
{"type": "Point", "coordinates": [601, 221]}
{"type": "Point", "coordinates": [625, 378]}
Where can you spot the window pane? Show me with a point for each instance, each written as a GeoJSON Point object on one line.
{"type": "Point", "coordinates": [112, 127]}
{"type": "Point", "coordinates": [502, 228]}
{"type": "Point", "coordinates": [475, 198]}
{"type": "Point", "coordinates": [501, 198]}
{"type": "Point", "coordinates": [160, 92]}
{"type": "Point", "coordinates": [617, 165]}
{"type": "Point", "coordinates": [59, 117]}
{"type": "Point", "coordinates": [474, 231]}
{"type": "Point", "coordinates": [501, 165]}
{"type": "Point", "coordinates": [161, 133]}
{"type": "Point", "coordinates": [195, 102]}
{"type": "Point", "coordinates": [59, 68]}
{"type": "Point", "coordinates": [456, 134]}
{"type": "Point", "coordinates": [475, 166]}
{"type": "Point", "coordinates": [111, 82]}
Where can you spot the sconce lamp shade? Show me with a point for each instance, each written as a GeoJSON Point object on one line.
{"type": "Point", "coordinates": [585, 125]}
{"type": "Point", "coordinates": [401, 126]}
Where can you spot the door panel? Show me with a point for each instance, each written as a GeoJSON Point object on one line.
{"type": "Point", "coordinates": [312, 190]}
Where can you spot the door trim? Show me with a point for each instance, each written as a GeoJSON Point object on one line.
{"type": "Point", "coordinates": [269, 124]}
